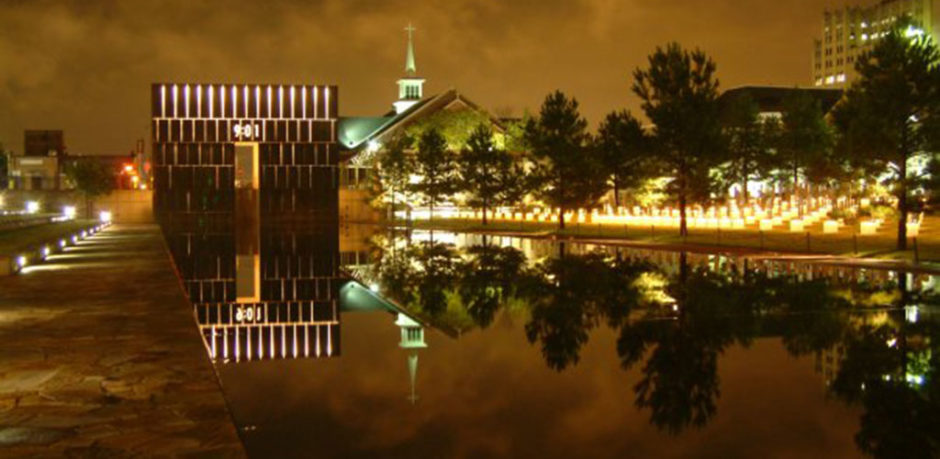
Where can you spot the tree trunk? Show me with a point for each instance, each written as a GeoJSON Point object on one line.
{"type": "Point", "coordinates": [391, 211]}
{"type": "Point", "coordinates": [88, 209]}
{"type": "Point", "coordinates": [561, 218]}
{"type": "Point", "coordinates": [744, 176]}
{"type": "Point", "coordinates": [616, 195]}
{"type": "Point", "coordinates": [484, 212]}
{"type": "Point", "coordinates": [683, 228]}
{"type": "Point", "coordinates": [683, 176]}
{"type": "Point", "coordinates": [796, 189]}
{"type": "Point", "coordinates": [902, 203]}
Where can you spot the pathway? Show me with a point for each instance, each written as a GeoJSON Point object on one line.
{"type": "Point", "coordinates": [100, 356]}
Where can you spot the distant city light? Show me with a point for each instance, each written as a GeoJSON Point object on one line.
{"type": "Point", "coordinates": [105, 216]}
{"type": "Point", "coordinates": [32, 207]}
{"type": "Point", "coordinates": [45, 252]}
{"type": "Point", "coordinates": [69, 211]}
{"type": "Point", "coordinates": [21, 261]}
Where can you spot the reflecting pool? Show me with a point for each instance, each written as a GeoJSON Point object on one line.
{"type": "Point", "coordinates": [351, 342]}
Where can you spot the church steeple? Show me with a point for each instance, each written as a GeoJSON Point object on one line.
{"type": "Point", "coordinates": [410, 87]}
{"type": "Point", "coordinates": [410, 68]}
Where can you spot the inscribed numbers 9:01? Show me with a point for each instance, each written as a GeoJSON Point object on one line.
{"type": "Point", "coordinates": [247, 131]}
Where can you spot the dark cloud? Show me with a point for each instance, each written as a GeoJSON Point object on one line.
{"type": "Point", "coordinates": [85, 66]}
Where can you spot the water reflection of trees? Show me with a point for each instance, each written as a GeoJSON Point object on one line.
{"type": "Point", "coordinates": [675, 324]}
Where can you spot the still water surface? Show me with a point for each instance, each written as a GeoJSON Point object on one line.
{"type": "Point", "coordinates": [464, 346]}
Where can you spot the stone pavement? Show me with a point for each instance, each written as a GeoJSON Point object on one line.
{"type": "Point", "coordinates": [100, 356]}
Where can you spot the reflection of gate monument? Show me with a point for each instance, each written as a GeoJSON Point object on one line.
{"type": "Point", "coordinates": [245, 188]}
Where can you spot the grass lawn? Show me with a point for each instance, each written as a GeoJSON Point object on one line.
{"type": "Point", "coordinates": [14, 241]}
{"type": "Point", "coordinates": [24, 217]}
{"type": "Point", "coordinates": [845, 242]}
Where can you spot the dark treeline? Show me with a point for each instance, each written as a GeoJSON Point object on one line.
{"type": "Point", "coordinates": [700, 146]}
{"type": "Point", "coordinates": [673, 324]}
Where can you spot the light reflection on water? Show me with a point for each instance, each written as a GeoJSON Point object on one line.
{"type": "Point", "coordinates": [532, 348]}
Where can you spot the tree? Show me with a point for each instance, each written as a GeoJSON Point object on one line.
{"type": "Point", "coordinates": [436, 165]}
{"type": "Point", "coordinates": [454, 125]}
{"type": "Point", "coordinates": [486, 173]}
{"type": "Point", "coordinates": [624, 151]}
{"type": "Point", "coordinates": [679, 94]}
{"type": "Point", "coordinates": [750, 142]}
{"type": "Point", "coordinates": [4, 167]}
{"type": "Point", "coordinates": [567, 175]}
{"type": "Point", "coordinates": [890, 113]}
{"type": "Point", "coordinates": [92, 178]}
{"type": "Point", "coordinates": [805, 139]}
{"type": "Point", "coordinates": [395, 168]}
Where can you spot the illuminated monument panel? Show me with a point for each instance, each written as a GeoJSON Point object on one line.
{"type": "Point", "coordinates": [246, 191]}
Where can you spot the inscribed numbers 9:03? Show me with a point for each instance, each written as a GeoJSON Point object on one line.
{"type": "Point", "coordinates": [248, 314]}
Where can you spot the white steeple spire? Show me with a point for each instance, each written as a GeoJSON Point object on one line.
{"type": "Point", "coordinates": [410, 87]}
{"type": "Point", "coordinates": [410, 68]}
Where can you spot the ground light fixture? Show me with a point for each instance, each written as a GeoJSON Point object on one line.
{"type": "Point", "coordinates": [69, 212]}
{"type": "Point", "coordinates": [32, 207]}
{"type": "Point", "coordinates": [46, 250]}
{"type": "Point", "coordinates": [104, 216]}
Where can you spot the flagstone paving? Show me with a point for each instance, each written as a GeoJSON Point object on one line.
{"type": "Point", "coordinates": [100, 356]}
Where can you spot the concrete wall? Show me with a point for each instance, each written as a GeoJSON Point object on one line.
{"type": "Point", "coordinates": [126, 206]}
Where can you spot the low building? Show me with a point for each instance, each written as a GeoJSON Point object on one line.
{"type": "Point", "coordinates": [770, 100]}
{"type": "Point", "coordinates": [40, 167]}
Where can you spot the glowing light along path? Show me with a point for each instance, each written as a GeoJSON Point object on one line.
{"type": "Point", "coordinates": [781, 215]}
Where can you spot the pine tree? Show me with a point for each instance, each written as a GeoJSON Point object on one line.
{"type": "Point", "coordinates": [487, 174]}
{"type": "Point", "coordinates": [624, 151]}
{"type": "Point", "coordinates": [679, 94]}
{"type": "Point", "coordinates": [892, 112]}
{"type": "Point", "coordinates": [436, 165]}
{"type": "Point", "coordinates": [566, 174]}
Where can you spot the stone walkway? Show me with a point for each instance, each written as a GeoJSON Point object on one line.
{"type": "Point", "coordinates": [100, 356]}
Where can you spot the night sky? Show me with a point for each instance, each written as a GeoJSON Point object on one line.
{"type": "Point", "coordinates": [86, 66]}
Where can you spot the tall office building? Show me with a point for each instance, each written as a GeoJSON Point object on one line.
{"type": "Point", "coordinates": [851, 30]}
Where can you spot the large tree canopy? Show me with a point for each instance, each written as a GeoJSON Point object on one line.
{"type": "Point", "coordinates": [679, 94]}
{"type": "Point", "coordinates": [569, 176]}
{"type": "Point", "coordinates": [892, 112]}
{"type": "Point", "coordinates": [487, 174]}
{"type": "Point", "coordinates": [624, 151]}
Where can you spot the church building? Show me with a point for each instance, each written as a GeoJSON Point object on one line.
{"type": "Point", "coordinates": [361, 138]}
